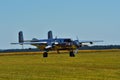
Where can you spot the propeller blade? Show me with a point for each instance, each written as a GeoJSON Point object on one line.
{"type": "Point", "coordinates": [76, 51]}
{"type": "Point", "coordinates": [48, 47]}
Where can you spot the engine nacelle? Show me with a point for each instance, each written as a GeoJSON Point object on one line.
{"type": "Point", "coordinates": [91, 42]}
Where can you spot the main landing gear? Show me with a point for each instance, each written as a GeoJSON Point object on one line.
{"type": "Point", "coordinates": [72, 54]}
{"type": "Point", "coordinates": [45, 54]}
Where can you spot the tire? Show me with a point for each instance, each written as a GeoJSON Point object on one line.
{"type": "Point", "coordinates": [71, 54]}
{"type": "Point", "coordinates": [45, 54]}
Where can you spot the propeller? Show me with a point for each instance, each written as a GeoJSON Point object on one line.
{"type": "Point", "coordinates": [77, 43]}
{"type": "Point", "coordinates": [76, 51]}
{"type": "Point", "coordinates": [48, 47]}
{"type": "Point", "coordinates": [52, 43]}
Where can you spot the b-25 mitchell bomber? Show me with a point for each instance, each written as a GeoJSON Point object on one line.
{"type": "Point", "coordinates": [51, 43]}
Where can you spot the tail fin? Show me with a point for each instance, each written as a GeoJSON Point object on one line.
{"type": "Point", "coordinates": [50, 36]}
{"type": "Point", "coordinates": [20, 36]}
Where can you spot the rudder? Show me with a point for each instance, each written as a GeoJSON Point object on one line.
{"type": "Point", "coordinates": [20, 37]}
{"type": "Point", "coordinates": [50, 36]}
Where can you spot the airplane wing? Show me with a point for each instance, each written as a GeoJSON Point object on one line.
{"type": "Point", "coordinates": [91, 42]}
{"type": "Point", "coordinates": [31, 43]}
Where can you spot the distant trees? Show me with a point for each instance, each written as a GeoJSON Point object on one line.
{"type": "Point", "coordinates": [99, 47]}
{"type": "Point", "coordinates": [96, 47]}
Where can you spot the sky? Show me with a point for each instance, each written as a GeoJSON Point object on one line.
{"type": "Point", "coordinates": [86, 19]}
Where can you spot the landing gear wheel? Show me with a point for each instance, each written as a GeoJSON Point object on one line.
{"type": "Point", "coordinates": [72, 54]}
{"type": "Point", "coordinates": [45, 54]}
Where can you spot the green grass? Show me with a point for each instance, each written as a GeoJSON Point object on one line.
{"type": "Point", "coordinates": [85, 66]}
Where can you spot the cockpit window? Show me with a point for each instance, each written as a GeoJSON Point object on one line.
{"type": "Point", "coordinates": [67, 40]}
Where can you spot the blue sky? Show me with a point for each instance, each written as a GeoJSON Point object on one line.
{"type": "Point", "coordinates": [87, 19]}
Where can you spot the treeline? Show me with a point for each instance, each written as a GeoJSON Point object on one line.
{"type": "Point", "coordinates": [20, 50]}
{"type": "Point", "coordinates": [97, 47]}
{"type": "Point", "coordinates": [100, 47]}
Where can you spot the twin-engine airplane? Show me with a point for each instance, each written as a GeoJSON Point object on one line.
{"type": "Point", "coordinates": [54, 44]}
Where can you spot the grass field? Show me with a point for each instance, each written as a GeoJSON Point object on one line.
{"type": "Point", "coordinates": [85, 66]}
